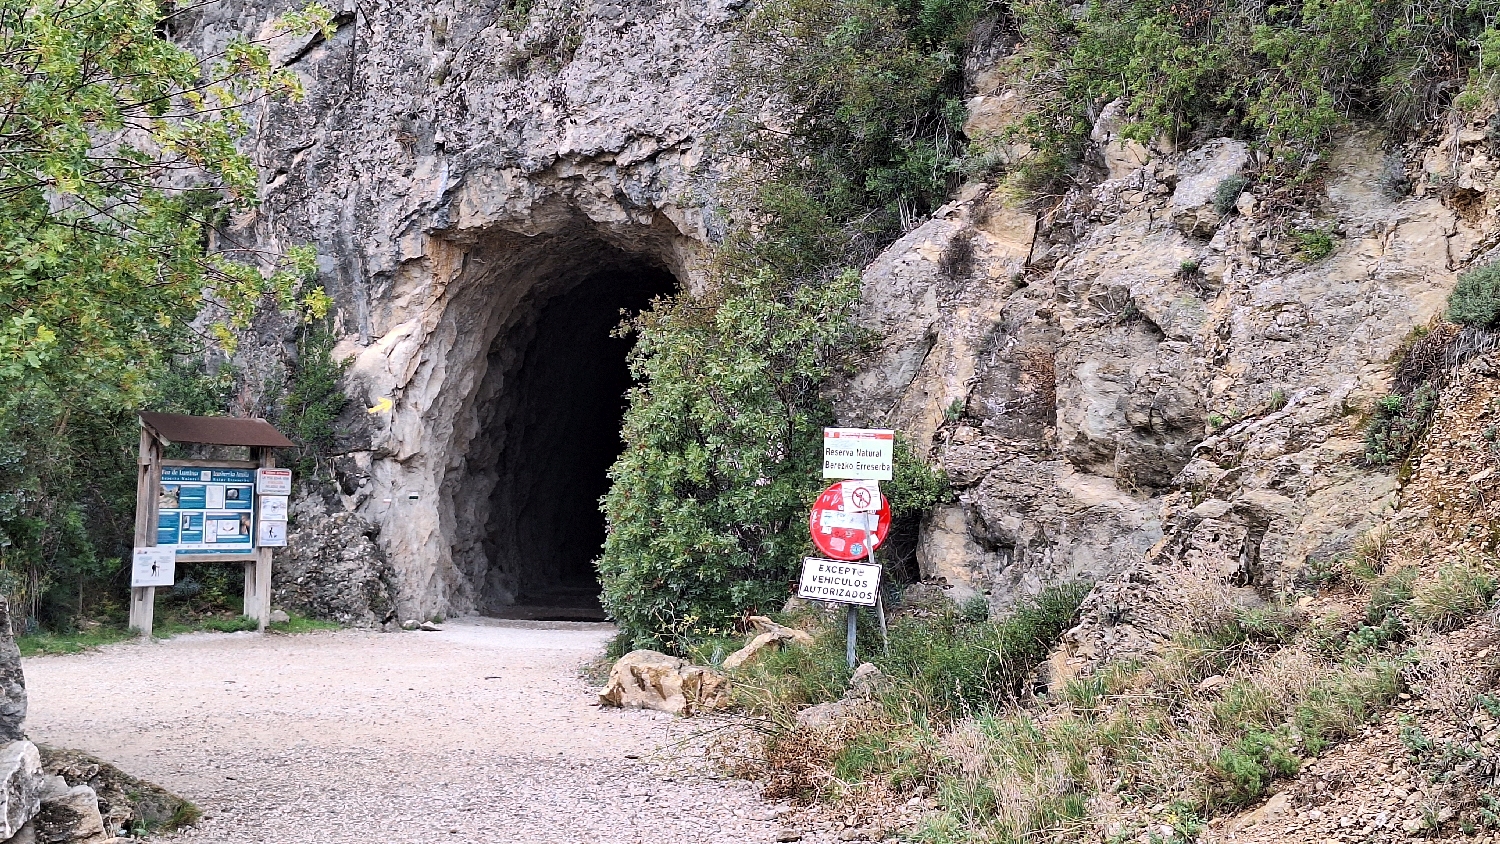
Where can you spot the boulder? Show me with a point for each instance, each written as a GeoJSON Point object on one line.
{"type": "Point", "coordinates": [12, 684]}
{"type": "Point", "coordinates": [69, 815]}
{"type": "Point", "coordinates": [1201, 173]}
{"type": "Point", "coordinates": [771, 636]}
{"type": "Point", "coordinates": [124, 801]}
{"type": "Point", "coordinates": [652, 680]}
{"type": "Point", "coordinates": [333, 568]}
{"type": "Point", "coordinates": [21, 784]}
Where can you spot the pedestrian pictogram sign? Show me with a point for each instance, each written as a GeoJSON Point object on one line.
{"type": "Point", "coordinates": [844, 535]}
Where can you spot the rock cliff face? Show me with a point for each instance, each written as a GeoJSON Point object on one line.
{"type": "Point", "coordinates": [1131, 371]}
{"type": "Point", "coordinates": [486, 182]}
{"type": "Point", "coordinates": [1144, 366]}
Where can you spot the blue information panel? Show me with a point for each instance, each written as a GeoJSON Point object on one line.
{"type": "Point", "coordinates": [207, 511]}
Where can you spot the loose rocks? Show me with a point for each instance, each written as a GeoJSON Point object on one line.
{"type": "Point", "coordinates": [652, 680]}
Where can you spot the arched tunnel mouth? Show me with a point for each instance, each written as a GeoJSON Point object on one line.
{"type": "Point", "coordinates": [553, 432]}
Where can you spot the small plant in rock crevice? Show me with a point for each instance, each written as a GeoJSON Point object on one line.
{"type": "Point", "coordinates": [1227, 192]}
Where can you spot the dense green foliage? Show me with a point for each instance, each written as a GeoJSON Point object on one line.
{"type": "Point", "coordinates": [117, 154]}
{"type": "Point", "coordinates": [1284, 75]}
{"type": "Point", "coordinates": [708, 505]}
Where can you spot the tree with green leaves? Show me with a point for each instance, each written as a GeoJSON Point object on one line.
{"type": "Point", "coordinates": [118, 153]}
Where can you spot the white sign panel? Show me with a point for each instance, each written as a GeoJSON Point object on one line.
{"type": "Point", "coordinates": [273, 481]}
{"type": "Point", "coordinates": [858, 453]}
{"type": "Point", "coordinates": [270, 534]}
{"type": "Point", "coordinates": [843, 583]}
{"type": "Point", "coordinates": [273, 508]}
{"type": "Point", "coordinates": [860, 496]}
{"type": "Point", "coordinates": [153, 566]}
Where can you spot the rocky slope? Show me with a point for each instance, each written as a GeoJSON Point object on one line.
{"type": "Point", "coordinates": [1120, 372]}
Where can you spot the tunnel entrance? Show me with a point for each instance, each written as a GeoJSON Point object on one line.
{"type": "Point", "coordinates": [558, 387]}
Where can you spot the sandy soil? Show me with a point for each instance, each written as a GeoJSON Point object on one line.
{"type": "Point", "coordinates": [483, 732]}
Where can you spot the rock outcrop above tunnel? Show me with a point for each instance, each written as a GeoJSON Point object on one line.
{"type": "Point", "coordinates": [458, 168]}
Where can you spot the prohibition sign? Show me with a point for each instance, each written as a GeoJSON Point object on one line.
{"type": "Point", "coordinates": [844, 536]}
{"type": "Point", "coordinates": [861, 498]}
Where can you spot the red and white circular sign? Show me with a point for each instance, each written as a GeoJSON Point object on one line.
{"type": "Point", "coordinates": [842, 535]}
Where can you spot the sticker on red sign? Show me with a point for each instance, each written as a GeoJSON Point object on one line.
{"type": "Point", "coordinates": [844, 535]}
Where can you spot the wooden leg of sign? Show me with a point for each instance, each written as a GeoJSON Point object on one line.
{"type": "Point", "coordinates": [258, 587]}
{"type": "Point", "coordinates": [849, 623]}
{"type": "Point", "coordinates": [142, 609]}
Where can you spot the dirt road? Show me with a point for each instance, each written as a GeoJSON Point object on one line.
{"type": "Point", "coordinates": [483, 732]}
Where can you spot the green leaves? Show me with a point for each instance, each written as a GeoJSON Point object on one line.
{"type": "Point", "coordinates": [116, 147]}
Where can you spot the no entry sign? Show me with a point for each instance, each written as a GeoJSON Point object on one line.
{"type": "Point", "coordinates": [844, 535]}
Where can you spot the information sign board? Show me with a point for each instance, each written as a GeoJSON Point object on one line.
{"type": "Point", "coordinates": [858, 453]}
{"type": "Point", "coordinates": [206, 511]}
{"type": "Point", "coordinates": [839, 582]}
{"type": "Point", "coordinates": [153, 567]}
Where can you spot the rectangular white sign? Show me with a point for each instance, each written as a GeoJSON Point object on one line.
{"type": "Point", "coordinates": [153, 566]}
{"type": "Point", "coordinates": [273, 481]}
{"type": "Point", "coordinates": [860, 496]}
{"type": "Point", "coordinates": [843, 583]}
{"type": "Point", "coordinates": [270, 534]}
{"type": "Point", "coordinates": [273, 508]}
{"type": "Point", "coordinates": [858, 453]}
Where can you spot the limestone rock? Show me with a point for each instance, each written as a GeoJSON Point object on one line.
{"type": "Point", "coordinates": [1199, 176]}
{"type": "Point", "coordinates": [866, 680]}
{"type": "Point", "coordinates": [646, 679]}
{"type": "Point", "coordinates": [279, 617]}
{"type": "Point", "coordinates": [69, 815]}
{"type": "Point", "coordinates": [123, 800]}
{"type": "Point", "coordinates": [12, 683]}
{"type": "Point", "coordinates": [21, 784]}
{"type": "Point", "coordinates": [772, 636]}
{"type": "Point", "coordinates": [786, 634]}
{"type": "Point", "coordinates": [333, 568]}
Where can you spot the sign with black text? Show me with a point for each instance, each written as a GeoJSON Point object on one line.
{"type": "Point", "coordinates": [858, 453]}
{"type": "Point", "coordinates": [842, 583]}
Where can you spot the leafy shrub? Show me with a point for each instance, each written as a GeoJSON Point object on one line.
{"type": "Point", "coordinates": [1475, 300]}
{"type": "Point", "coordinates": [1286, 76]}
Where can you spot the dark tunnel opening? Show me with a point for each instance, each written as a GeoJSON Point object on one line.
{"type": "Point", "coordinates": [566, 400]}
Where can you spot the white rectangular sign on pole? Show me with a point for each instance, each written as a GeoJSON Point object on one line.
{"type": "Point", "coordinates": [860, 496]}
{"type": "Point", "coordinates": [273, 481]}
{"type": "Point", "coordinates": [842, 583]}
{"type": "Point", "coordinates": [154, 566]}
{"type": "Point", "coordinates": [858, 453]}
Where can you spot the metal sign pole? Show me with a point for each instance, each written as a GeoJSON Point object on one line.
{"type": "Point", "coordinates": [850, 623]}
{"type": "Point", "coordinates": [885, 637]}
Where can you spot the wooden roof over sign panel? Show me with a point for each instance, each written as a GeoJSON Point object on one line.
{"type": "Point", "coordinates": [214, 430]}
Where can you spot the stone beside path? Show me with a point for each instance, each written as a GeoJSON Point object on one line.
{"type": "Point", "coordinates": [480, 732]}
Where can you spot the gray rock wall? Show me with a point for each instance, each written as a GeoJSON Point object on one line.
{"type": "Point", "coordinates": [1122, 369]}
{"type": "Point", "coordinates": [1129, 370]}
{"type": "Point", "coordinates": [459, 166]}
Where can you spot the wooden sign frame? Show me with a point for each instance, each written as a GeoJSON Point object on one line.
{"type": "Point", "coordinates": [149, 463]}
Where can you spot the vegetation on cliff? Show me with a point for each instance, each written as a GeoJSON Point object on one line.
{"type": "Point", "coordinates": [118, 157]}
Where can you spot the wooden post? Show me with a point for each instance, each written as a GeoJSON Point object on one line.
{"type": "Point", "coordinates": [258, 571]}
{"type": "Point", "coordinates": [147, 490]}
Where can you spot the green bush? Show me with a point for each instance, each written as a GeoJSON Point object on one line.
{"type": "Point", "coordinates": [1475, 300]}
{"type": "Point", "coordinates": [1227, 192]}
{"type": "Point", "coordinates": [1314, 244]}
{"type": "Point", "coordinates": [1286, 76]}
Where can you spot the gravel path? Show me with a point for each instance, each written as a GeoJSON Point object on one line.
{"type": "Point", "coordinates": [483, 732]}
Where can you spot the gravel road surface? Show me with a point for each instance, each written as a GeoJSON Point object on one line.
{"type": "Point", "coordinates": [483, 732]}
